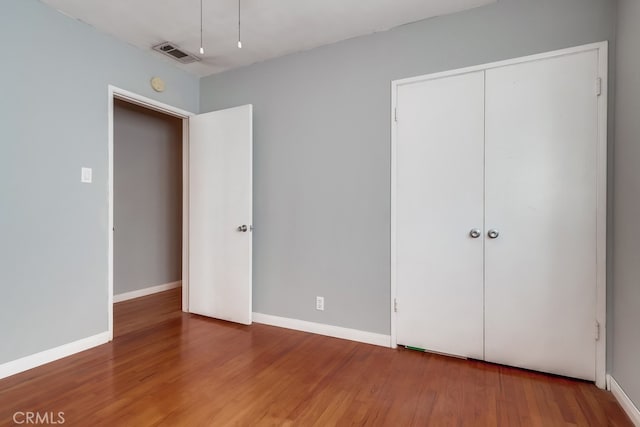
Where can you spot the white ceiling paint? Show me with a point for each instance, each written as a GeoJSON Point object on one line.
{"type": "Point", "coordinates": [270, 28]}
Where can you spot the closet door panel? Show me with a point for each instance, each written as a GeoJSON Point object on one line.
{"type": "Point", "coordinates": [439, 199]}
{"type": "Point", "coordinates": [540, 271]}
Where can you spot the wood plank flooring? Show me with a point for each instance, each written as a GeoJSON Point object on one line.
{"type": "Point", "coordinates": [166, 368]}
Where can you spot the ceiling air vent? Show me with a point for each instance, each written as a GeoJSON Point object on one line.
{"type": "Point", "coordinates": [173, 51]}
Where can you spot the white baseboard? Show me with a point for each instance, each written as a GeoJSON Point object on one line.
{"type": "Point", "coordinates": [38, 359]}
{"type": "Point", "coordinates": [627, 404]}
{"type": "Point", "coordinates": [146, 291]}
{"type": "Point", "coordinates": [322, 329]}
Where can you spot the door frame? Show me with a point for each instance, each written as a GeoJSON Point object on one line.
{"type": "Point", "coordinates": [601, 192]}
{"type": "Point", "coordinates": [151, 104]}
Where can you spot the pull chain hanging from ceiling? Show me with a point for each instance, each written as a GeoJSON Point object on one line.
{"type": "Point", "coordinates": [201, 20]}
{"type": "Point", "coordinates": [239, 39]}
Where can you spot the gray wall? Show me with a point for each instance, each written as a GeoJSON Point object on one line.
{"type": "Point", "coordinates": [53, 119]}
{"type": "Point", "coordinates": [322, 146]}
{"type": "Point", "coordinates": [147, 198]}
{"type": "Point", "coordinates": [626, 290]}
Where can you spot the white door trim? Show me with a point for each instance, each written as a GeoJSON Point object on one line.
{"type": "Point", "coordinates": [601, 226]}
{"type": "Point", "coordinates": [125, 95]}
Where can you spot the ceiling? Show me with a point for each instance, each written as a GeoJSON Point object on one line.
{"type": "Point", "coordinates": [270, 28]}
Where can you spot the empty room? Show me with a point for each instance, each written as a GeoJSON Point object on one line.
{"type": "Point", "coordinates": [319, 213]}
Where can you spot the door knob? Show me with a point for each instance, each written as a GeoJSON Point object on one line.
{"type": "Point", "coordinates": [493, 234]}
{"type": "Point", "coordinates": [243, 228]}
{"type": "Point", "coordinates": [475, 233]}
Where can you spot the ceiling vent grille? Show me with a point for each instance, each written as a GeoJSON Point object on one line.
{"type": "Point", "coordinates": [173, 51]}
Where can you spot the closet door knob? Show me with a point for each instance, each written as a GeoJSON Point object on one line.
{"type": "Point", "coordinates": [475, 233]}
{"type": "Point", "coordinates": [243, 228]}
{"type": "Point", "coordinates": [493, 234]}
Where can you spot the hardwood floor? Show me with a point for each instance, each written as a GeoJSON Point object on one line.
{"type": "Point", "coordinates": [173, 369]}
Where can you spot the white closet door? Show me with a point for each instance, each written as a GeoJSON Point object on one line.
{"type": "Point", "coordinates": [220, 214]}
{"type": "Point", "coordinates": [540, 273]}
{"type": "Point", "coordinates": [439, 196]}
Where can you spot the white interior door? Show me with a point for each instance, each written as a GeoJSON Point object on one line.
{"type": "Point", "coordinates": [220, 214]}
{"type": "Point", "coordinates": [541, 180]}
{"type": "Point", "coordinates": [439, 200]}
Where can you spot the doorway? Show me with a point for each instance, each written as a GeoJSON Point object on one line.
{"type": "Point", "coordinates": [147, 203]}
{"type": "Point", "coordinates": [146, 211]}
{"type": "Point", "coordinates": [216, 208]}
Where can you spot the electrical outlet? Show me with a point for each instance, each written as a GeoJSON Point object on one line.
{"type": "Point", "coordinates": [320, 303]}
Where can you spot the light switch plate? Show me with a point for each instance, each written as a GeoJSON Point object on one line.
{"type": "Point", "coordinates": [86, 175]}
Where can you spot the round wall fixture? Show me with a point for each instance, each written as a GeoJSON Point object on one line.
{"type": "Point", "coordinates": [157, 84]}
